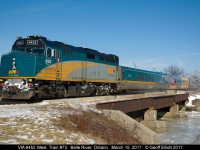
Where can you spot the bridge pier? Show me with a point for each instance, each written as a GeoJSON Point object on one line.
{"type": "Point", "coordinates": [174, 112]}
{"type": "Point", "coordinates": [150, 121]}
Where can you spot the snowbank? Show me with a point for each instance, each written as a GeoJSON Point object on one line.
{"type": "Point", "coordinates": [191, 98]}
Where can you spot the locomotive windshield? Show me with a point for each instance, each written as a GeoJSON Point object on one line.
{"type": "Point", "coordinates": [29, 46]}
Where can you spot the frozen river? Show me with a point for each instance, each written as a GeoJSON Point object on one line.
{"type": "Point", "coordinates": [183, 131]}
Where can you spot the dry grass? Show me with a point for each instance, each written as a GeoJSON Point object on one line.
{"type": "Point", "coordinates": [97, 125]}
{"type": "Point", "coordinates": [59, 124]}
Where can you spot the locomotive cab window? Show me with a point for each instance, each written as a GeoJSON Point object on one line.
{"type": "Point", "coordinates": [51, 53]}
{"type": "Point", "coordinates": [29, 46]}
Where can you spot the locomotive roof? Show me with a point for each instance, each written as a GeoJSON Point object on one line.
{"type": "Point", "coordinates": [160, 73]}
{"type": "Point", "coordinates": [67, 46]}
{"type": "Point", "coordinates": [78, 49]}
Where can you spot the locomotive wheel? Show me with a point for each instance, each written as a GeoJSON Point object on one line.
{"type": "Point", "coordinates": [62, 92]}
{"type": "Point", "coordinates": [45, 92]}
{"type": "Point", "coordinates": [41, 92]}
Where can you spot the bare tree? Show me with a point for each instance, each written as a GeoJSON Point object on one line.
{"type": "Point", "coordinates": [174, 70]}
{"type": "Point", "coordinates": [195, 80]}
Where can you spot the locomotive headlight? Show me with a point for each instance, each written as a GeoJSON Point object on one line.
{"type": "Point", "coordinates": [30, 82]}
{"type": "Point", "coordinates": [1, 80]}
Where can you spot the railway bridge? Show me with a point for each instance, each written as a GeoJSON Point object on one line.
{"type": "Point", "coordinates": [125, 109]}
{"type": "Point", "coordinates": [122, 109]}
{"type": "Point", "coordinates": [138, 102]}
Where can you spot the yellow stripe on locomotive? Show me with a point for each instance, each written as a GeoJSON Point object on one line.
{"type": "Point", "coordinates": [79, 71]}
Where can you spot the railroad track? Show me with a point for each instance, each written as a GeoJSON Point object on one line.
{"type": "Point", "coordinates": [94, 99]}
{"type": "Point", "coordinates": [10, 102]}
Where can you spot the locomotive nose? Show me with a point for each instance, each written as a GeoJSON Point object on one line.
{"type": "Point", "coordinates": [18, 64]}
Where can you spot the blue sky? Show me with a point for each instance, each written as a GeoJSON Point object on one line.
{"type": "Point", "coordinates": [152, 34]}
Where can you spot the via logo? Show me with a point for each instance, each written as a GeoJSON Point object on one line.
{"type": "Point", "coordinates": [13, 63]}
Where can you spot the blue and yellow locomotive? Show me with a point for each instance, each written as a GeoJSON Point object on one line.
{"type": "Point", "coordinates": [40, 68]}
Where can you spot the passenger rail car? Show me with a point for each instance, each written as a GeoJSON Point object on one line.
{"type": "Point", "coordinates": [39, 68]}
{"type": "Point", "coordinates": [184, 83]}
{"type": "Point", "coordinates": [137, 79]}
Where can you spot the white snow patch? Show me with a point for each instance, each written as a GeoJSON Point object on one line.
{"type": "Point", "coordinates": [86, 140]}
{"type": "Point", "coordinates": [193, 114]}
{"type": "Point", "coordinates": [61, 131]}
{"type": "Point", "coordinates": [85, 106]}
{"type": "Point", "coordinates": [25, 137]}
{"type": "Point", "coordinates": [68, 140]}
{"type": "Point", "coordinates": [90, 141]}
{"type": "Point", "coordinates": [9, 141]}
{"type": "Point", "coordinates": [73, 135]}
{"type": "Point", "coordinates": [191, 98]}
{"type": "Point", "coordinates": [73, 113]}
{"type": "Point", "coordinates": [95, 110]}
{"type": "Point", "coordinates": [42, 136]}
{"type": "Point", "coordinates": [47, 140]}
{"type": "Point", "coordinates": [41, 121]}
{"type": "Point", "coordinates": [44, 103]}
{"type": "Point", "coordinates": [197, 96]}
{"type": "Point", "coordinates": [15, 111]}
{"type": "Point", "coordinates": [74, 106]}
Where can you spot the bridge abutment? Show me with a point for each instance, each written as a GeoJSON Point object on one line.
{"type": "Point", "coordinates": [143, 133]}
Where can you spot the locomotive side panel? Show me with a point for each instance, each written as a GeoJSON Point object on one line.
{"type": "Point", "coordinates": [75, 71]}
{"type": "Point", "coordinates": [95, 72]}
{"type": "Point", "coordinates": [87, 67]}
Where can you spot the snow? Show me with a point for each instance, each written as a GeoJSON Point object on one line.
{"type": "Point", "coordinates": [47, 140]}
{"type": "Point", "coordinates": [10, 141]}
{"type": "Point", "coordinates": [193, 114]}
{"type": "Point", "coordinates": [85, 106]}
{"type": "Point", "coordinates": [12, 111]}
{"type": "Point", "coordinates": [33, 122]}
{"type": "Point", "coordinates": [191, 98]}
{"type": "Point", "coordinates": [22, 137]}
